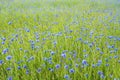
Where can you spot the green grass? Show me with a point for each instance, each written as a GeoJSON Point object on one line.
{"type": "Point", "coordinates": [69, 26]}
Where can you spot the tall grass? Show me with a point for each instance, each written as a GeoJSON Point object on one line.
{"type": "Point", "coordinates": [59, 39]}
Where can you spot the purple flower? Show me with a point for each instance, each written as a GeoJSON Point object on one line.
{"type": "Point", "coordinates": [9, 57]}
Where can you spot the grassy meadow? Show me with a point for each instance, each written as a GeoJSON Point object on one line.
{"type": "Point", "coordinates": [59, 39]}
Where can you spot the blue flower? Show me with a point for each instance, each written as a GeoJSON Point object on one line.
{"type": "Point", "coordinates": [3, 42]}
{"type": "Point", "coordinates": [5, 51]}
{"type": "Point", "coordinates": [9, 23]}
{"type": "Point", "coordinates": [57, 66]}
{"type": "Point", "coordinates": [71, 70]}
{"type": "Point", "coordinates": [66, 66]}
{"type": "Point", "coordinates": [66, 76]}
{"type": "Point", "coordinates": [100, 72]}
{"type": "Point", "coordinates": [25, 66]}
{"type": "Point", "coordinates": [63, 55]}
{"type": "Point", "coordinates": [8, 69]}
{"type": "Point", "coordinates": [84, 62]}
{"type": "Point", "coordinates": [27, 71]}
{"type": "Point", "coordinates": [9, 57]}
{"type": "Point", "coordinates": [39, 70]}
{"type": "Point", "coordinates": [76, 65]}
{"type": "Point", "coordinates": [52, 53]}
{"type": "Point", "coordinates": [10, 78]}
{"type": "Point", "coordinates": [19, 67]}
{"type": "Point", "coordinates": [1, 62]}
{"type": "Point", "coordinates": [3, 39]}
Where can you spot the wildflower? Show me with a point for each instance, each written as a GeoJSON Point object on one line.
{"type": "Point", "coordinates": [10, 78]}
{"type": "Point", "coordinates": [39, 70]}
{"type": "Point", "coordinates": [66, 76]}
{"type": "Point", "coordinates": [57, 66]}
{"type": "Point", "coordinates": [1, 62]}
{"type": "Point", "coordinates": [76, 65]}
{"type": "Point", "coordinates": [9, 57]}
{"type": "Point", "coordinates": [25, 66]}
{"type": "Point", "coordinates": [3, 42]}
{"type": "Point", "coordinates": [71, 71]}
{"type": "Point", "coordinates": [63, 55]}
{"type": "Point", "coordinates": [19, 67]}
{"type": "Point", "coordinates": [52, 53]}
{"type": "Point", "coordinates": [3, 39]}
{"type": "Point", "coordinates": [9, 23]}
{"type": "Point", "coordinates": [5, 51]}
{"type": "Point", "coordinates": [84, 62]}
{"type": "Point", "coordinates": [8, 69]}
{"type": "Point", "coordinates": [66, 66]}
{"type": "Point", "coordinates": [100, 72]}
{"type": "Point", "coordinates": [27, 71]}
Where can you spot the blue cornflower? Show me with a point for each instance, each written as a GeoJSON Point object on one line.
{"type": "Point", "coordinates": [63, 55]}
{"type": "Point", "coordinates": [66, 76]}
{"type": "Point", "coordinates": [27, 71]}
{"type": "Point", "coordinates": [86, 75]}
{"type": "Point", "coordinates": [1, 62]}
{"type": "Point", "coordinates": [66, 66]}
{"type": "Point", "coordinates": [107, 64]}
{"type": "Point", "coordinates": [100, 72]}
{"type": "Point", "coordinates": [3, 39]}
{"type": "Point", "coordinates": [57, 66]}
{"type": "Point", "coordinates": [8, 69]}
{"type": "Point", "coordinates": [9, 23]}
{"type": "Point", "coordinates": [52, 53]}
{"type": "Point", "coordinates": [27, 30]}
{"type": "Point", "coordinates": [10, 78]}
{"type": "Point", "coordinates": [9, 57]}
{"type": "Point", "coordinates": [102, 76]}
{"type": "Point", "coordinates": [20, 49]}
{"type": "Point", "coordinates": [98, 49]}
{"type": "Point", "coordinates": [39, 70]}
{"type": "Point", "coordinates": [50, 69]}
{"type": "Point", "coordinates": [99, 61]}
{"type": "Point", "coordinates": [84, 62]}
{"type": "Point", "coordinates": [19, 67]}
{"type": "Point", "coordinates": [3, 42]}
{"type": "Point", "coordinates": [25, 66]}
{"type": "Point", "coordinates": [5, 51]}
{"type": "Point", "coordinates": [76, 65]}
{"type": "Point", "coordinates": [93, 65]}
{"type": "Point", "coordinates": [71, 70]}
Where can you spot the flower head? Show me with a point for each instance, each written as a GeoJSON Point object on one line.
{"type": "Point", "coordinates": [84, 62]}
{"type": "Point", "coordinates": [57, 66]}
{"type": "Point", "coordinates": [9, 57]}
{"type": "Point", "coordinates": [71, 70]}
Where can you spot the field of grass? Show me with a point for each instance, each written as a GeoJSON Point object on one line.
{"type": "Point", "coordinates": [59, 39]}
